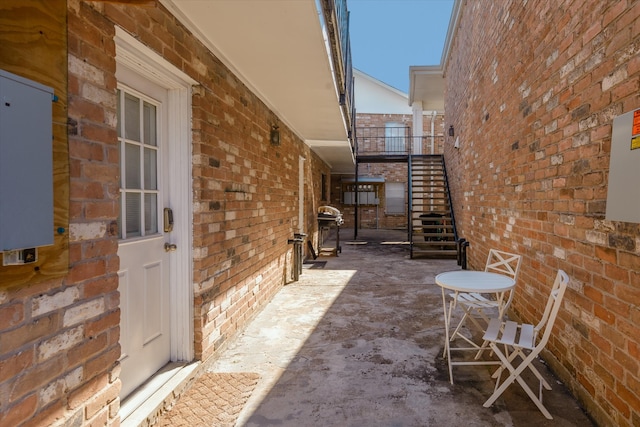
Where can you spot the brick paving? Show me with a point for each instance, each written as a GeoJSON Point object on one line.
{"type": "Point", "coordinates": [214, 399]}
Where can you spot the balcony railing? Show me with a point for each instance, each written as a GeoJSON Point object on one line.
{"type": "Point", "coordinates": [336, 17]}
{"type": "Point", "coordinates": [395, 141]}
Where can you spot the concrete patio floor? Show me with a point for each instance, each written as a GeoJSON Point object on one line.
{"type": "Point", "coordinates": [358, 341]}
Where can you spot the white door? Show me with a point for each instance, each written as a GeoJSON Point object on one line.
{"type": "Point", "coordinates": [144, 247]}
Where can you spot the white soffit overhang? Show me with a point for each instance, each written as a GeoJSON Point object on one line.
{"type": "Point", "coordinates": [426, 85]}
{"type": "Point", "coordinates": [277, 48]}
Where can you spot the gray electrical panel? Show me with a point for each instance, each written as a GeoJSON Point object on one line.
{"type": "Point", "coordinates": [26, 163]}
{"type": "Point", "coordinates": [623, 192]}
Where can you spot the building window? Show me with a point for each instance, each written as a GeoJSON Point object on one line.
{"type": "Point", "coordinates": [394, 198]}
{"type": "Point", "coordinates": [395, 137]}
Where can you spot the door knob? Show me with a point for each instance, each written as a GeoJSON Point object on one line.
{"type": "Point", "coordinates": [170, 247]}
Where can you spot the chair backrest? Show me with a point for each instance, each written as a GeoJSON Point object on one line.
{"type": "Point", "coordinates": [553, 306]}
{"type": "Point", "coordinates": [504, 263]}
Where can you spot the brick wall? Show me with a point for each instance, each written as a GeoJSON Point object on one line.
{"type": "Point", "coordinates": [60, 338]}
{"type": "Point", "coordinates": [532, 92]}
{"type": "Point", "coordinates": [245, 190]}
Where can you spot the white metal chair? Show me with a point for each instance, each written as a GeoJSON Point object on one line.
{"type": "Point", "coordinates": [519, 338]}
{"type": "Point", "coordinates": [472, 304]}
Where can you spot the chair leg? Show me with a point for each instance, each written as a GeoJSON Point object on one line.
{"type": "Point", "coordinates": [510, 356]}
{"type": "Point", "coordinates": [532, 368]}
{"type": "Point", "coordinates": [537, 400]}
{"type": "Point", "coordinates": [515, 376]}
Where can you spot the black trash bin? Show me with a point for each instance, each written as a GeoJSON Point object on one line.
{"type": "Point", "coordinates": [434, 222]}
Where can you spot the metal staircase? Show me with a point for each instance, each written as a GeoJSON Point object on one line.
{"type": "Point", "coordinates": [432, 227]}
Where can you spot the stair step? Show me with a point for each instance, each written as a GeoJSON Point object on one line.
{"type": "Point", "coordinates": [420, 208]}
{"type": "Point", "coordinates": [434, 244]}
{"type": "Point", "coordinates": [424, 194]}
{"type": "Point", "coordinates": [433, 253]}
{"type": "Point", "coordinates": [421, 228]}
{"type": "Point", "coordinates": [433, 237]}
{"type": "Point", "coordinates": [433, 231]}
{"type": "Point", "coordinates": [446, 214]}
{"type": "Point", "coordinates": [442, 214]}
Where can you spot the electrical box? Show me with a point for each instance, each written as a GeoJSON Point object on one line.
{"type": "Point", "coordinates": [623, 192]}
{"type": "Point", "coordinates": [26, 164]}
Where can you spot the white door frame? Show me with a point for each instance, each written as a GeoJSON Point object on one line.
{"type": "Point", "coordinates": [137, 57]}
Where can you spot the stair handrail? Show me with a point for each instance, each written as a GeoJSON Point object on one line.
{"type": "Point", "coordinates": [410, 203]}
{"type": "Point", "coordinates": [446, 185]}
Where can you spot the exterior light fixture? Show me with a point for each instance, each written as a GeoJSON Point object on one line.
{"type": "Point", "coordinates": [274, 136]}
{"type": "Point", "coordinates": [451, 131]}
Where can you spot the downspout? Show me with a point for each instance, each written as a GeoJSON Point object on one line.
{"type": "Point", "coordinates": [417, 127]}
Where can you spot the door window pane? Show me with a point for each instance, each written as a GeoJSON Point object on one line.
{"type": "Point", "coordinates": [131, 117]}
{"type": "Point", "coordinates": [150, 213]}
{"type": "Point", "coordinates": [133, 218]}
{"type": "Point", "coordinates": [132, 166]}
{"type": "Point", "coordinates": [150, 166]}
{"type": "Point", "coordinates": [150, 124]}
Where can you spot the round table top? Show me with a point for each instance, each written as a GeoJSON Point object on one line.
{"type": "Point", "coordinates": [474, 281]}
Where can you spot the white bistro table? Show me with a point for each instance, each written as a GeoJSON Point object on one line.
{"type": "Point", "coordinates": [469, 281]}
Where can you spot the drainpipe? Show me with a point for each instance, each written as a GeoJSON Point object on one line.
{"type": "Point", "coordinates": [417, 127]}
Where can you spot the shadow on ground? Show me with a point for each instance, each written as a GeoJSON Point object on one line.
{"type": "Point", "coordinates": [358, 341]}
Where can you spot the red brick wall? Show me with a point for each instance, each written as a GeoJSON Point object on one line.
{"type": "Point", "coordinates": [60, 339]}
{"type": "Point", "coordinates": [245, 189]}
{"type": "Point", "coordinates": [532, 92]}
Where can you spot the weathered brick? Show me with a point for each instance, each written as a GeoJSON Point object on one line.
{"type": "Point", "coordinates": [586, 71]}
{"type": "Point", "coordinates": [59, 343]}
{"type": "Point", "coordinates": [47, 303]}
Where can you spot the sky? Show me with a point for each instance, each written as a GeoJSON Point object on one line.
{"type": "Point", "coordinates": [388, 36]}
